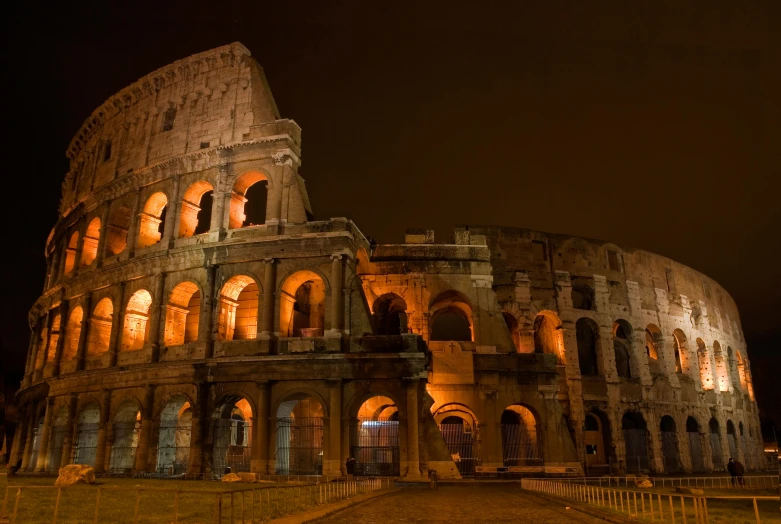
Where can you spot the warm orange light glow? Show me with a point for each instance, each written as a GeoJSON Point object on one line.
{"type": "Point", "coordinates": [150, 218]}
{"type": "Point", "coordinates": [191, 205]}
{"type": "Point", "coordinates": [302, 304]}
{"type": "Point", "coordinates": [243, 183]}
{"type": "Point", "coordinates": [134, 331]}
{"type": "Point", "coordinates": [238, 317]}
{"type": "Point", "coordinates": [100, 328]}
{"type": "Point", "coordinates": [182, 314]}
{"type": "Point", "coordinates": [89, 248]}
{"type": "Point", "coordinates": [70, 252]}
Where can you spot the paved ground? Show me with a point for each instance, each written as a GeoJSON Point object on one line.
{"type": "Point", "coordinates": [495, 503]}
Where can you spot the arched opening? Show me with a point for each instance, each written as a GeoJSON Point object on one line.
{"type": "Point", "coordinates": [695, 445]}
{"type": "Point", "coordinates": [248, 200]}
{"type": "Point", "coordinates": [173, 447]}
{"type": "Point", "coordinates": [54, 337]}
{"type": "Point", "coordinates": [37, 437]}
{"type": "Point", "coordinates": [734, 373]}
{"type": "Point", "coordinates": [238, 318]}
{"type": "Point", "coordinates": [634, 428]}
{"type": "Point", "coordinates": [136, 326]}
{"type": "Point", "coordinates": [597, 441]}
{"type": "Point", "coordinates": [125, 430]}
{"type": "Point", "coordinates": [183, 312]}
{"type": "Point", "coordinates": [520, 438]}
{"type": "Point", "coordinates": [653, 340]}
{"type": "Point", "coordinates": [41, 343]}
{"type": "Point", "coordinates": [703, 360]}
{"type": "Point", "coordinates": [512, 327]}
{"type": "Point", "coordinates": [100, 328]}
{"type": "Point", "coordinates": [547, 334]}
{"type": "Point", "coordinates": [459, 430]}
{"type": "Point", "coordinates": [744, 448]}
{"type": "Point", "coordinates": [232, 431]}
{"type": "Point", "coordinates": [57, 439]}
{"type": "Point", "coordinates": [87, 435]}
{"type": "Point", "coordinates": [681, 352]}
{"type": "Point", "coordinates": [450, 318]}
{"type": "Point", "coordinates": [715, 445]}
{"type": "Point", "coordinates": [587, 335]}
{"type": "Point", "coordinates": [152, 220]}
{"type": "Point", "coordinates": [374, 438]}
{"type": "Point", "coordinates": [669, 445]}
{"type": "Point", "coordinates": [89, 249]}
{"type": "Point", "coordinates": [73, 333]}
{"type": "Point", "coordinates": [299, 437]}
{"type": "Point", "coordinates": [722, 367]}
{"type": "Point", "coordinates": [302, 305]}
{"type": "Point", "coordinates": [195, 216]}
{"type": "Point", "coordinates": [742, 374]}
{"type": "Point", "coordinates": [583, 296]}
{"type": "Point", "coordinates": [70, 252]}
{"type": "Point", "coordinates": [732, 440]}
{"type": "Point", "coordinates": [622, 348]}
{"type": "Point", "coordinates": [116, 230]}
{"type": "Point", "coordinates": [390, 315]}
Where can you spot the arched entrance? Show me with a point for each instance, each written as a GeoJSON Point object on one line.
{"type": "Point", "coordinates": [232, 434]}
{"type": "Point", "coordinates": [669, 445]}
{"type": "Point", "coordinates": [597, 441]}
{"type": "Point", "coordinates": [37, 435]}
{"type": "Point", "coordinates": [634, 427]}
{"type": "Point", "coordinates": [87, 435]}
{"type": "Point", "coordinates": [695, 444]}
{"type": "Point", "coordinates": [57, 438]}
{"type": "Point", "coordinates": [374, 438]}
{"type": "Point", "coordinates": [390, 315]}
{"type": "Point", "coordinates": [125, 429]}
{"type": "Point", "coordinates": [519, 437]}
{"type": "Point", "coordinates": [173, 449]}
{"type": "Point", "coordinates": [732, 440]}
{"type": "Point", "coordinates": [459, 430]}
{"type": "Point", "coordinates": [715, 445]}
{"type": "Point", "coordinates": [302, 305]}
{"type": "Point", "coordinates": [299, 437]}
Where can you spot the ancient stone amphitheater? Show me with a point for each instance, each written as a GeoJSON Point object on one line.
{"type": "Point", "coordinates": [195, 319]}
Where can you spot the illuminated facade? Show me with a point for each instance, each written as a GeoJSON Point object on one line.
{"type": "Point", "coordinates": [195, 318]}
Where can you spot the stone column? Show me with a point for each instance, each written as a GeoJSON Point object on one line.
{"type": "Point", "coordinates": [41, 349]}
{"type": "Point", "coordinates": [269, 296]}
{"type": "Point", "coordinates": [491, 432]}
{"type": "Point", "coordinates": [43, 450]}
{"type": "Point", "coordinates": [198, 429]}
{"type": "Point", "coordinates": [63, 258]}
{"type": "Point", "coordinates": [28, 441]}
{"type": "Point", "coordinates": [100, 450]}
{"type": "Point", "coordinates": [103, 234]}
{"type": "Point", "coordinates": [79, 249]}
{"type": "Point", "coordinates": [207, 321]}
{"type": "Point", "coordinates": [36, 347]}
{"type": "Point", "coordinates": [117, 325]}
{"type": "Point", "coordinates": [19, 437]}
{"type": "Point", "coordinates": [28, 374]}
{"type": "Point", "coordinates": [132, 233]}
{"type": "Point", "coordinates": [157, 316]}
{"type": "Point", "coordinates": [413, 452]}
{"type": "Point", "coordinates": [333, 464]}
{"type": "Point", "coordinates": [81, 352]}
{"type": "Point", "coordinates": [53, 269]}
{"type": "Point", "coordinates": [221, 195]}
{"type": "Point", "coordinates": [142, 451]}
{"type": "Point", "coordinates": [171, 217]}
{"type": "Point", "coordinates": [337, 296]}
{"type": "Point", "coordinates": [67, 442]}
{"type": "Point", "coordinates": [259, 461]}
{"type": "Point", "coordinates": [64, 311]}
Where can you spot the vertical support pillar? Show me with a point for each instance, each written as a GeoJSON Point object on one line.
{"type": "Point", "coordinates": [142, 451]}
{"type": "Point", "coordinates": [43, 450]}
{"type": "Point", "coordinates": [413, 420]}
{"type": "Point", "coordinates": [19, 437]}
{"type": "Point", "coordinates": [54, 268]}
{"type": "Point", "coordinates": [491, 432]}
{"type": "Point", "coordinates": [171, 217]}
{"type": "Point", "coordinates": [207, 322]}
{"type": "Point", "coordinates": [132, 233]}
{"type": "Point", "coordinates": [337, 296]}
{"type": "Point", "coordinates": [221, 195]}
{"type": "Point", "coordinates": [100, 450]}
{"type": "Point", "coordinates": [64, 311]}
{"type": "Point", "coordinates": [197, 433]}
{"type": "Point", "coordinates": [269, 296]}
{"type": "Point", "coordinates": [103, 234]}
{"type": "Point", "coordinates": [28, 374]}
{"type": "Point", "coordinates": [41, 349]}
{"type": "Point", "coordinates": [30, 434]}
{"type": "Point", "coordinates": [81, 352]}
{"type": "Point", "coordinates": [63, 259]}
{"type": "Point", "coordinates": [333, 465]}
{"type": "Point", "coordinates": [259, 461]}
{"type": "Point", "coordinates": [117, 325]}
{"type": "Point", "coordinates": [157, 307]}
{"type": "Point", "coordinates": [67, 443]}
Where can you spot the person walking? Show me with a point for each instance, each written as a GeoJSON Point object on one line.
{"type": "Point", "coordinates": [739, 470]}
{"type": "Point", "coordinates": [731, 469]}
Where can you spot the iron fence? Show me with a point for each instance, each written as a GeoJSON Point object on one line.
{"type": "Point", "coordinates": [636, 450]}
{"type": "Point", "coordinates": [460, 442]}
{"type": "Point", "coordinates": [375, 447]}
{"type": "Point", "coordinates": [519, 447]}
{"type": "Point", "coordinates": [299, 446]}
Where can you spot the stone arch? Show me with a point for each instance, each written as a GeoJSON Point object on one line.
{"type": "Point", "coordinates": [87, 424]}
{"type": "Point", "coordinates": [70, 252]}
{"type": "Point", "coordinates": [732, 440]}
{"type": "Point", "coordinates": [60, 429]}
{"type": "Point", "coordinates": [703, 359]}
{"type": "Point", "coordinates": [100, 327]}
{"type": "Point", "coordinates": [232, 434]}
{"type": "Point", "coordinates": [670, 455]}
{"type": "Point", "coordinates": [695, 445]}
{"type": "Point", "coordinates": [54, 336]}
{"type": "Point", "coordinates": [598, 440]}
{"type": "Point", "coordinates": [374, 437]}
{"type": "Point", "coordinates": [238, 308]}
{"type": "Point", "coordinates": [653, 348]}
{"type": "Point", "coordinates": [622, 347]}
{"type": "Point", "coordinates": [634, 428]}
{"type": "Point", "coordinates": [717, 455]}
{"type": "Point", "coordinates": [512, 327]}
{"type": "Point", "coordinates": [299, 434]}
{"type": "Point", "coordinates": [183, 313]}
{"type": "Point", "coordinates": [126, 426]}
{"type": "Point", "coordinates": [548, 336]}
{"type": "Point", "coordinates": [742, 372]}
{"type": "Point", "coordinates": [681, 352]}
{"type": "Point", "coordinates": [152, 219]}
{"type": "Point", "coordinates": [450, 317]}
{"type": "Point", "coordinates": [135, 330]}
{"type": "Point", "coordinates": [722, 367]}
{"type": "Point", "coordinates": [73, 333]}
{"type": "Point", "coordinates": [173, 448]}
{"type": "Point", "coordinates": [734, 373]}
{"type": "Point", "coordinates": [302, 304]}
{"type": "Point", "coordinates": [587, 335]}
{"type": "Point", "coordinates": [117, 229]}
{"type": "Point", "coordinates": [389, 315]}
{"type": "Point", "coordinates": [195, 214]}
{"type": "Point", "coordinates": [521, 442]}
{"type": "Point", "coordinates": [89, 249]}
{"type": "Point", "coordinates": [239, 198]}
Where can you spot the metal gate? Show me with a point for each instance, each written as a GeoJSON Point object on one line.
{"type": "Point", "coordinates": [518, 447]}
{"type": "Point", "coordinates": [123, 448]}
{"type": "Point", "coordinates": [299, 446]}
{"type": "Point", "coordinates": [715, 446]}
{"type": "Point", "coordinates": [695, 450]}
{"type": "Point", "coordinates": [461, 443]}
{"type": "Point", "coordinates": [670, 452]}
{"type": "Point", "coordinates": [636, 450]}
{"type": "Point", "coordinates": [375, 447]}
{"type": "Point", "coordinates": [231, 446]}
{"type": "Point", "coordinates": [86, 444]}
{"type": "Point", "coordinates": [173, 449]}
{"type": "Point", "coordinates": [56, 442]}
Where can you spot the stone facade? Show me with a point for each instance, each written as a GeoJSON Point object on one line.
{"type": "Point", "coordinates": [176, 336]}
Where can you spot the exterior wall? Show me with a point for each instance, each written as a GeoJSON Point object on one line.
{"type": "Point", "coordinates": [102, 342]}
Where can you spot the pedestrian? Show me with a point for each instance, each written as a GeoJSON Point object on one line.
{"type": "Point", "coordinates": [739, 470]}
{"type": "Point", "coordinates": [731, 469]}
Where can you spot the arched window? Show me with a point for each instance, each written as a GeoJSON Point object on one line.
{"type": "Point", "coordinates": [100, 328]}
{"type": "Point", "coordinates": [125, 431]}
{"type": "Point", "coordinates": [582, 296]}
{"type": "Point", "coordinates": [681, 352]}
{"type": "Point", "coordinates": [248, 200]}
{"type": "Point", "coordinates": [547, 335]}
{"type": "Point", "coordinates": [70, 252]}
{"type": "Point", "coordinates": [622, 348]}
{"type": "Point", "coordinates": [54, 337]}
{"type": "Point", "coordinates": [390, 315]}
{"type": "Point", "coordinates": [734, 372]}
{"type": "Point", "coordinates": [695, 444]}
{"type": "Point", "coordinates": [520, 441]}
{"type": "Point", "coordinates": [587, 334]}
{"type": "Point", "coordinates": [73, 333]}
{"type": "Point", "coordinates": [116, 230]}
{"type": "Point", "coordinates": [232, 430]}
{"type": "Point", "coordinates": [302, 305]}
{"type": "Point", "coordinates": [634, 427]}
{"type": "Point", "coordinates": [512, 326]}
{"type": "Point", "coordinates": [195, 216]}
{"type": "Point", "coordinates": [238, 303]}
{"type": "Point", "coordinates": [652, 338]}
{"type": "Point", "coordinates": [742, 372]}
{"type": "Point", "coordinates": [450, 318]}
{"type": "Point", "coordinates": [722, 367]}
{"type": "Point", "coordinates": [89, 249]}
{"type": "Point", "coordinates": [299, 438]}
{"type": "Point", "coordinates": [152, 220]}
{"type": "Point", "coordinates": [715, 444]}
{"type": "Point", "coordinates": [669, 445]}
{"type": "Point", "coordinates": [182, 314]}
{"type": "Point", "coordinates": [134, 333]}
{"type": "Point", "coordinates": [87, 435]}
{"type": "Point", "coordinates": [703, 359]}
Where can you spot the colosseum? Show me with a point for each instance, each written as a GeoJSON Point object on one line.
{"type": "Point", "coordinates": [196, 319]}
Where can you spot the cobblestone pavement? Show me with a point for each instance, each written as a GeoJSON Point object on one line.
{"type": "Point", "coordinates": [494, 503]}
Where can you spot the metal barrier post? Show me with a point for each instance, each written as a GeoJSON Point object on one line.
{"type": "Point", "coordinates": [97, 507]}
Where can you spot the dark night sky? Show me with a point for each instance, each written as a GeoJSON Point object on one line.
{"type": "Point", "coordinates": [652, 124]}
